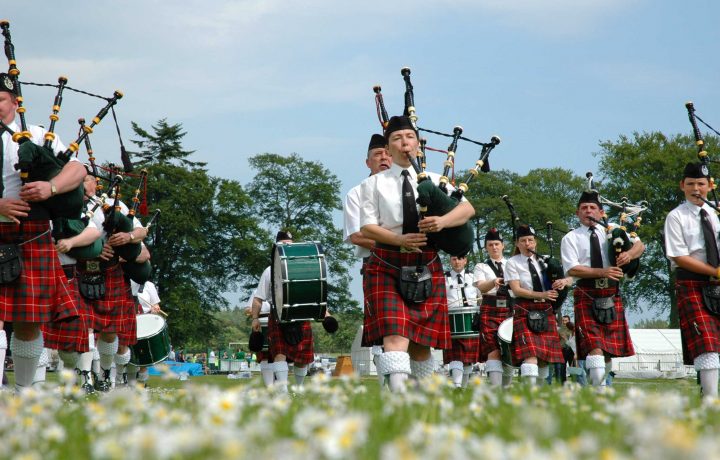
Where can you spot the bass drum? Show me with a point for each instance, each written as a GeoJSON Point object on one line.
{"type": "Point", "coordinates": [504, 338]}
{"type": "Point", "coordinates": [153, 345]}
{"type": "Point", "coordinates": [299, 282]}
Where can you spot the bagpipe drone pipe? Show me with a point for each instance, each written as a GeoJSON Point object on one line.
{"type": "Point", "coordinates": [39, 162]}
{"type": "Point", "coordinates": [621, 236]}
{"type": "Point", "coordinates": [434, 200]}
{"type": "Point", "coordinates": [702, 154]}
{"type": "Point", "coordinates": [551, 266]}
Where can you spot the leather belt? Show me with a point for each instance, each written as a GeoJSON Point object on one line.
{"type": "Point", "coordinates": [685, 275]}
{"type": "Point", "coordinates": [501, 302]}
{"type": "Point", "coordinates": [596, 283]}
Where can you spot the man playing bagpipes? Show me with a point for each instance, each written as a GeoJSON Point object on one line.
{"type": "Point", "coordinates": [461, 293]}
{"type": "Point", "coordinates": [74, 340]}
{"type": "Point", "coordinates": [691, 244]}
{"type": "Point", "coordinates": [33, 289]}
{"type": "Point", "coordinates": [404, 286]}
{"type": "Point", "coordinates": [495, 308]}
{"type": "Point", "coordinates": [600, 324]}
{"type": "Point", "coordinates": [377, 160]}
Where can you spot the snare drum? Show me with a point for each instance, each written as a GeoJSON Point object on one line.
{"type": "Point", "coordinates": [461, 322]}
{"type": "Point", "coordinates": [504, 338]}
{"type": "Point", "coordinates": [153, 343]}
{"type": "Point", "coordinates": [299, 282]}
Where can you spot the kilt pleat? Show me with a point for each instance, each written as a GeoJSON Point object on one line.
{"type": "Point", "coordinates": [699, 329]}
{"type": "Point", "coordinates": [115, 312]}
{"type": "Point", "coordinates": [545, 346]}
{"type": "Point", "coordinates": [614, 338]}
{"type": "Point", "coordinates": [464, 350]}
{"type": "Point", "coordinates": [40, 294]}
{"type": "Point", "coordinates": [387, 313]}
{"type": "Point", "coordinates": [302, 353]}
{"type": "Point", "coordinates": [72, 335]}
{"type": "Point", "coordinates": [490, 319]}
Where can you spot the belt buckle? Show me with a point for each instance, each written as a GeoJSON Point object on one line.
{"type": "Point", "coordinates": [601, 283]}
{"type": "Point", "coordinates": [538, 300]}
{"type": "Point", "coordinates": [502, 303]}
{"type": "Point", "coordinates": [92, 266]}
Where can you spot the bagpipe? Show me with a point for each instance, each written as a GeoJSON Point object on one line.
{"type": "Point", "coordinates": [702, 154]}
{"type": "Point", "coordinates": [433, 200]}
{"type": "Point", "coordinates": [621, 236]}
{"type": "Point", "coordinates": [39, 162]}
{"type": "Point", "coordinates": [551, 267]}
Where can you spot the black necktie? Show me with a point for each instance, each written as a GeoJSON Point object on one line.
{"type": "Point", "coordinates": [499, 269]}
{"type": "Point", "coordinates": [711, 248]}
{"type": "Point", "coordinates": [595, 254]}
{"type": "Point", "coordinates": [410, 213]}
{"type": "Point", "coordinates": [537, 284]}
{"type": "Point", "coordinates": [2, 160]}
{"type": "Point", "coordinates": [461, 286]}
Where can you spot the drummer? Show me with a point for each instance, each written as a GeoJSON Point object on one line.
{"type": "Point", "coordinates": [149, 300]}
{"type": "Point", "coordinates": [267, 369]}
{"type": "Point", "coordinates": [535, 341]}
{"type": "Point", "coordinates": [496, 307]}
{"type": "Point", "coordinates": [280, 351]}
{"type": "Point", "coordinates": [461, 293]}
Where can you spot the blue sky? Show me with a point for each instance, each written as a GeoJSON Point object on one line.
{"type": "Point", "coordinates": [551, 78]}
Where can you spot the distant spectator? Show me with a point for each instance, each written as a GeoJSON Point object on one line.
{"type": "Point", "coordinates": [171, 355]}
{"type": "Point", "coordinates": [225, 355]}
{"type": "Point", "coordinates": [211, 360]}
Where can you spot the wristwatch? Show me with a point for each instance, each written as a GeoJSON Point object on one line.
{"type": "Point", "coordinates": [132, 237]}
{"type": "Point", "coordinates": [53, 189]}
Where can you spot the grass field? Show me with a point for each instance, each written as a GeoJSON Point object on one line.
{"type": "Point", "coordinates": [215, 417]}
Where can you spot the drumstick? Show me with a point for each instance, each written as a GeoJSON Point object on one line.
{"type": "Point", "coordinates": [162, 312]}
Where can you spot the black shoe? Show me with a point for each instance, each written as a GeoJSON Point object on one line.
{"type": "Point", "coordinates": [105, 384]}
{"type": "Point", "coordinates": [87, 385]}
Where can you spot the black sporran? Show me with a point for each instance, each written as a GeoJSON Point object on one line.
{"type": "Point", "coordinates": [10, 263]}
{"type": "Point", "coordinates": [292, 332]}
{"type": "Point", "coordinates": [537, 320]}
{"type": "Point", "coordinates": [415, 283]}
{"type": "Point", "coordinates": [711, 299]}
{"type": "Point", "coordinates": [603, 309]}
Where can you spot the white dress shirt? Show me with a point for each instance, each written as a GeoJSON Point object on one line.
{"type": "Point", "coordinates": [483, 272]}
{"type": "Point", "coordinates": [148, 297]}
{"type": "Point", "coordinates": [575, 247]}
{"type": "Point", "coordinates": [683, 232]}
{"type": "Point", "coordinates": [455, 289]}
{"type": "Point", "coordinates": [517, 269]}
{"type": "Point", "coordinates": [381, 197]}
{"type": "Point", "coordinates": [351, 217]}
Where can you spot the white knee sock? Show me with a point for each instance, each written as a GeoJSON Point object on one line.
{"type": "Point", "coordinates": [3, 351]}
{"type": "Point", "coordinates": [39, 377]}
{"type": "Point", "coordinates": [69, 359]}
{"type": "Point", "coordinates": [107, 352]}
{"type": "Point", "coordinates": [382, 378]}
{"type": "Point", "coordinates": [456, 372]}
{"type": "Point", "coordinates": [26, 355]}
{"type": "Point", "coordinates": [543, 372]}
{"type": "Point", "coordinates": [494, 369]}
{"type": "Point", "coordinates": [467, 370]}
{"type": "Point", "coordinates": [508, 373]}
{"type": "Point", "coordinates": [85, 360]}
{"type": "Point", "coordinates": [143, 375]}
{"type": "Point", "coordinates": [281, 375]}
{"type": "Point", "coordinates": [529, 373]}
{"type": "Point", "coordinates": [268, 373]}
{"type": "Point", "coordinates": [707, 364]}
{"type": "Point", "coordinates": [422, 369]}
{"type": "Point", "coordinates": [608, 369]}
{"type": "Point", "coordinates": [396, 364]}
{"type": "Point", "coordinates": [300, 373]}
{"type": "Point", "coordinates": [595, 364]}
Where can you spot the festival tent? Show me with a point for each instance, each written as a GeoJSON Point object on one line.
{"type": "Point", "coordinates": [658, 354]}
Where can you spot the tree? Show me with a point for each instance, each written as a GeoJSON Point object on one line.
{"type": "Point", "coordinates": [648, 166]}
{"type": "Point", "coordinates": [206, 243]}
{"type": "Point", "coordinates": [301, 196]}
{"type": "Point", "coordinates": [655, 323]}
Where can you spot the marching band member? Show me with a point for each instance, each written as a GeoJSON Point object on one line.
{"type": "Point", "coordinates": [75, 339]}
{"type": "Point", "coordinates": [40, 293]}
{"type": "Point", "coordinates": [389, 216]}
{"type": "Point", "coordinates": [377, 160]}
{"type": "Point", "coordinates": [461, 292]}
{"type": "Point", "coordinates": [495, 308]}
{"type": "Point", "coordinates": [691, 242]}
{"type": "Point", "coordinates": [149, 302]}
{"type": "Point", "coordinates": [600, 325]}
{"type": "Point", "coordinates": [535, 341]}
{"type": "Point", "coordinates": [301, 353]}
{"type": "Point", "coordinates": [267, 369]}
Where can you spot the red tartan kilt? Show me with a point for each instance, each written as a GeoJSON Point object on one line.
{"type": "Point", "coordinates": [545, 346]}
{"type": "Point", "coordinates": [614, 338]}
{"type": "Point", "coordinates": [128, 336]}
{"type": "Point", "coordinates": [490, 319]}
{"type": "Point", "coordinates": [113, 312]}
{"type": "Point", "coordinates": [386, 313]}
{"type": "Point", "coordinates": [302, 353]}
{"type": "Point", "coordinates": [70, 335]}
{"type": "Point", "coordinates": [464, 350]}
{"type": "Point", "coordinates": [705, 338]}
{"type": "Point", "coordinates": [40, 295]}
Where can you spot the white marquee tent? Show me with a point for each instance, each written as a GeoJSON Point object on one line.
{"type": "Point", "coordinates": [658, 354]}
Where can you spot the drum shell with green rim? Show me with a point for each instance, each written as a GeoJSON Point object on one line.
{"type": "Point", "coordinates": [299, 282]}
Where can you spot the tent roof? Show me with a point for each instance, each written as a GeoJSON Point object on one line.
{"type": "Point", "coordinates": [656, 340]}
